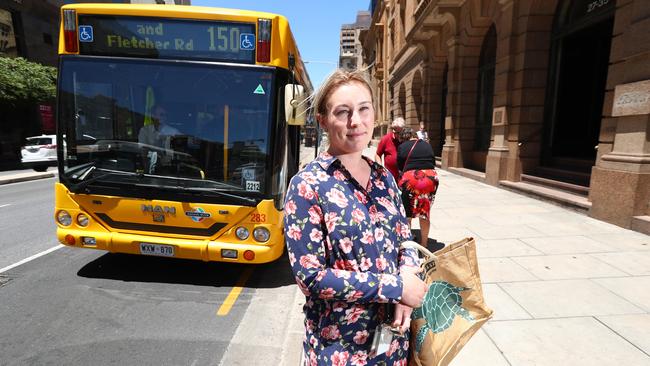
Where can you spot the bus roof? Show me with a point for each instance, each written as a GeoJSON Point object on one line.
{"type": "Point", "coordinates": [283, 42]}
{"type": "Point", "coordinates": [173, 11]}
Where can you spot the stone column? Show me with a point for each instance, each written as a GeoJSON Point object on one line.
{"type": "Point", "coordinates": [496, 165]}
{"type": "Point", "coordinates": [451, 155]}
{"type": "Point", "coordinates": [620, 181]}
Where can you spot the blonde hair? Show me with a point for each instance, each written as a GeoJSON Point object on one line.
{"type": "Point", "coordinates": [398, 122]}
{"type": "Point", "coordinates": [336, 79]}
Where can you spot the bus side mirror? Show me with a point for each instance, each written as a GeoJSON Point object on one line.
{"type": "Point", "coordinates": [295, 108]}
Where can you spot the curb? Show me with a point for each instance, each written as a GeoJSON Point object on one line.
{"type": "Point", "coordinates": [24, 177]}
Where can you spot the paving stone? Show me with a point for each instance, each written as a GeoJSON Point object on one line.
{"type": "Point", "coordinates": [571, 244]}
{"type": "Point", "coordinates": [634, 328]}
{"type": "Point", "coordinates": [515, 218]}
{"type": "Point", "coordinates": [601, 227]}
{"type": "Point", "coordinates": [553, 229]}
{"type": "Point", "coordinates": [449, 235]}
{"type": "Point", "coordinates": [634, 263]}
{"type": "Point", "coordinates": [479, 351]}
{"type": "Point", "coordinates": [504, 306]}
{"type": "Point", "coordinates": [555, 267]}
{"type": "Point", "coordinates": [634, 289]}
{"type": "Point", "coordinates": [462, 213]}
{"type": "Point", "coordinates": [567, 298]}
{"type": "Point", "coordinates": [440, 220]}
{"type": "Point", "coordinates": [568, 341]}
{"type": "Point", "coordinates": [624, 240]}
{"type": "Point", "coordinates": [502, 270]}
{"type": "Point", "coordinates": [506, 232]}
{"type": "Point", "coordinates": [503, 248]}
{"type": "Point", "coordinates": [532, 206]}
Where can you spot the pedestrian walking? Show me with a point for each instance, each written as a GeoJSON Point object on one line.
{"type": "Point", "coordinates": [387, 148]}
{"type": "Point", "coordinates": [418, 179]}
{"type": "Point", "coordinates": [344, 224]}
{"type": "Point", "coordinates": [422, 133]}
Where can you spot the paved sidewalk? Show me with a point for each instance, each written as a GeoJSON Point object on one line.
{"type": "Point", "coordinates": [566, 289]}
{"type": "Point", "coordinates": [15, 176]}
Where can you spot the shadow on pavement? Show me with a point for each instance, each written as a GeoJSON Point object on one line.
{"type": "Point", "coordinates": [432, 244]}
{"type": "Point", "coordinates": [137, 268]}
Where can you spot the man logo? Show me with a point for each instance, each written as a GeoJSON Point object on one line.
{"type": "Point", "coordinates": [166, 210]}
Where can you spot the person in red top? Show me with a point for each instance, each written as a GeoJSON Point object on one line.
{"type": "Point", "coordinates": [388, 147]}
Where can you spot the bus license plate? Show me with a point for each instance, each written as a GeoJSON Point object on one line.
{"type": "Point", "coordinates": [157, 249]}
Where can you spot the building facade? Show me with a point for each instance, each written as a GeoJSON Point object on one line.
{"type": "Point", "coordinates": [28, 29]}
{"type": "Point", "coordinates": [351, 52]}
{"type": "Point", "coordinates": [526, 93]}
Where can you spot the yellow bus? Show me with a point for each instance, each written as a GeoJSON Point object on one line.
{"type": "Point", "coordinates": [180, 128]}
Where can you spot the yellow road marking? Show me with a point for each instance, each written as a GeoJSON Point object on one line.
{"type": "Point", "coordinates": [224, 309]}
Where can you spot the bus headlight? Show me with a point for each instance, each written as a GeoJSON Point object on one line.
{"type": "Point", "coordinates": [261, 234]}
{"type": "Point", "coordinates": [242, 233]}
{"type": "Point", "coordinates": [82, 220]}
{"type": "Point", "coordinates": [64, 218]}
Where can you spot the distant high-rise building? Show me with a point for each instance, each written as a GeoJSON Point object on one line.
{"type": "Point", "coordinates": [350, 54]}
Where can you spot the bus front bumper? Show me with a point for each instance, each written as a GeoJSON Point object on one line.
{"type": "Point", "coordinates": [205, 250]}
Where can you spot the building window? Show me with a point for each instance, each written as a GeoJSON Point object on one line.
{"type": "Point", "coordinates": [7, 35]}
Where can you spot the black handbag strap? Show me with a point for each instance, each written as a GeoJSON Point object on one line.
{"type": "Point", "coordinates": [409, 155]}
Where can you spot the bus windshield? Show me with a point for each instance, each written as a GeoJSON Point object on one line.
{"type": "Point", "coordinates": [165, 124]}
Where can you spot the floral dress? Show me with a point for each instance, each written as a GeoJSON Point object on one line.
{"type": "Point", "coordinates": [343, 245]}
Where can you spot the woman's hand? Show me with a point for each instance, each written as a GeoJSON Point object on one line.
{"type": "Point", "coordinates": [402, 317]}
{"type": "Point", "coordinates": [413, 288]}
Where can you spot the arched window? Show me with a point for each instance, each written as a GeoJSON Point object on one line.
{"type": "Point", "coordinates": [579, 58]}
{"type": "Point", "coordinates": [486, 66]}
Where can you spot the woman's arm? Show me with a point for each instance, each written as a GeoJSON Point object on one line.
{"type": "Point", "coordinates": [307, 245]}
{"type": "Point", "coordinates": [380, 151]}
{"type": "Point", "coordinates": [401, 155]}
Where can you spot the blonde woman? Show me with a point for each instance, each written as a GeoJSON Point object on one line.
{"type": "Point", "coordinates": [344, 222]}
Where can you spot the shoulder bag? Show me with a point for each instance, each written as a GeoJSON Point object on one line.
{"type": "Point", "coordinates": [406, 195]}
{"type": "Point", "coordinates": [453, 309]}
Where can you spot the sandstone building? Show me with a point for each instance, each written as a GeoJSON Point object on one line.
{"type": "Point", "coordinates": [551, 97]}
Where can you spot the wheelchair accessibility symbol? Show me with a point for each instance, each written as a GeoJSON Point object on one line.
{"type": "Point", "coordinates": [85, 33]}
{"type": "Point", "coordinates": [247, 41]}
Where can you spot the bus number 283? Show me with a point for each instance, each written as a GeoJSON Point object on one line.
{"type": "Point", "coordinates": [258, 217]}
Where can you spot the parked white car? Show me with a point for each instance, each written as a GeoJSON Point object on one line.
{"type": "Point", "coordinates": [39, 152]}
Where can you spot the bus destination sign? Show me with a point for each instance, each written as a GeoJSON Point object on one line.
{"type": "Point", "coordinates": [166, 38]}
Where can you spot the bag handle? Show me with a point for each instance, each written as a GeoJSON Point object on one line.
{"type": "Point", "coordinates": [409, 155]}
{"type": "Point", "coordinates": [413, 245]}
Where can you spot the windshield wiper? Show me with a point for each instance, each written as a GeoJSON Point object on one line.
{"type": "Point", "coordinates": [85, 167]}
{"type": "Point", "coordinates": [242, 199]}
{"type": "Point", "coordinates": [84, 181]}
